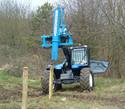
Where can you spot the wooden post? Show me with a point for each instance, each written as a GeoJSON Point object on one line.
{"type": "Point", "coordinates": [51, 82]}
{"type": "Point", "coordinates": [25, 88]}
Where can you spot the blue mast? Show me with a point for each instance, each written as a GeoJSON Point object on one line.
{"type": "Point", "coordinates": [56, 33]}
{"type": "Point", "coordinates": [60, 36]}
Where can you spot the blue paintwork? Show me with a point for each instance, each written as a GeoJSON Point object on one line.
{"type": "Point", "coordinates": [96, 67]}
{"type": "Point", "coordinates": [44, 41]}
{"type": "Point", "coordinates": [74, 66]}
{"type": "Point", "coordinates": [56, 33]}
{"type": "Point", "coordinates": [48, 45]}
{"type": "Point", "coordinates": [59, 31]}
{"type": "Point", "coordinates": [58, 66]}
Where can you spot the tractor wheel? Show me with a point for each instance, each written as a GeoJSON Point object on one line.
{"type": "Point", "coordinates": [45, 83]}
{"type": "Point", "coordinates": [86, 79]}
{"type": "Point", "coordinates": [57, 87]}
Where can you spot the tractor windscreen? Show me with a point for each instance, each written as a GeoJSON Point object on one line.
{"type": "Point", "coordinates": [79, 56]}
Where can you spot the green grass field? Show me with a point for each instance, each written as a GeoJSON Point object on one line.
{"type": "Point", "coordinates": [108, 94]}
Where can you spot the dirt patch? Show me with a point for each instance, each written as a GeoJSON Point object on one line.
{"type": "Point", "coordinates": [35, 93]}
{"type": "Point", "coordinates": [6, 94]}
{"type": "Point", "coordinates": [91, 97]}
{"type": "Point", "coordinates": [15, 93]}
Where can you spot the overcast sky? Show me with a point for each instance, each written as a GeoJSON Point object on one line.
{"type": "Point", "coordinates": [35, 3]}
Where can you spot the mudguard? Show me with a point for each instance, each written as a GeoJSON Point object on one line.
{"type": "Point", "coordinates": [98, 67]}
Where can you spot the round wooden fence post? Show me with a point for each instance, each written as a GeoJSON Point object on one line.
{"type": "Point", "coordinates": [25, 88]}
{"type": "Point", "coordinates": [51, 82]}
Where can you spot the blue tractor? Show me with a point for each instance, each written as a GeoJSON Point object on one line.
{"type": "Point", "coordinates": [77, 66]}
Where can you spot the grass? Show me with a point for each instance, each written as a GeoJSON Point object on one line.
{"type": "Point", "coordinates": [108, 86]}
{"type": "Point", "coordinates": [108, 94]}
{"type": "Point", "coordinates": [8, 81]}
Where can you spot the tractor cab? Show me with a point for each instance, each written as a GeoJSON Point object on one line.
{"type": "Point", "coordinates": [76, 57]}
{"type": "Point", "coordinates": [80, 56]}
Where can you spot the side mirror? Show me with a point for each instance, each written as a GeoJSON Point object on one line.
{"type": "Point", "coordinates": [98, 67]}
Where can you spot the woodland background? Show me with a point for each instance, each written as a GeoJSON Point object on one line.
{"type": "Point", "coordinates": [98, 23]}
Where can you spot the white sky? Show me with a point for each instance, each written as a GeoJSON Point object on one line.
{"type": "Point", "coordinates": [40, 2]}
{"type": "Point", "coordinates": [35, 3]}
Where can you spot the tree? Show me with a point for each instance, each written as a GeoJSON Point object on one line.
{"type": "Point", "coordinates": [101, 25]}
{"type": "Point", "coordinates": [41, 21]}
{"type": "Point", "coordinates": [14, 27]}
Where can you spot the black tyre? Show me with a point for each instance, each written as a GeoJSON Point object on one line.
{"type": "Point", "coordinates": [57, 87]}
{"type": "Point", "coordinates": [45, 83]}
{"type": "Point", "coordinates": [86, 79]}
